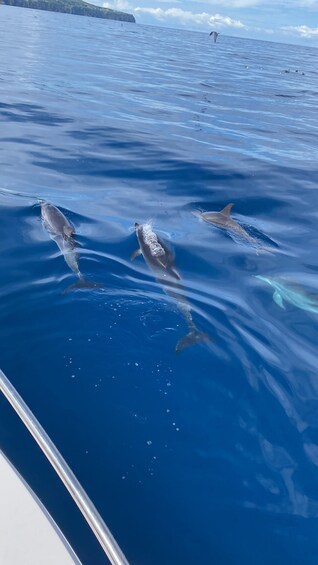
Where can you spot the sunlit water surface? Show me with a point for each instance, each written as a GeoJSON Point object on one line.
{"type": "Point", "coordinates": [210, 455]}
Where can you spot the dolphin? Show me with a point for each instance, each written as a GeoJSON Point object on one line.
{"type": "Point", "coordinates": [291, 293]}
{"type": "Point", "coordinates": [224, 221]}
{"type": "Point", "coordinates": [62, 232]}
{"type": "Point", "coordinates": [160, 260]}
{"type": "Point", "coordinates": [214, 35]}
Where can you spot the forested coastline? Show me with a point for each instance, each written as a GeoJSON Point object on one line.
{"type": "Point", "coordinates": [75, 7]}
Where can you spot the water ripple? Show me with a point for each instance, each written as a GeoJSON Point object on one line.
{"type": "Point", "coordinates": [122, 124]}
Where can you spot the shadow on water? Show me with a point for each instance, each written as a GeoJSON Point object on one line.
{"type": "Point", "coordinates": [30, 113]}
{"type": "Point", "coordinates": [139, 159]}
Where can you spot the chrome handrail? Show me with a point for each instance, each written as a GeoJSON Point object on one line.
{"type": "Point", "coordinates": [85, 505]}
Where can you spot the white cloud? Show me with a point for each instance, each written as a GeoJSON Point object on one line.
{"type": "Point", "coordinates": [191, 19]}
{"type": "Point", "coordinates": [302, 31]}
{"type": "Point", "coordinates": [121, 5]}
{"type": "Point", "coordinates": [229, 4]}
{"type": "Point", "coordinates": [265, 3]}
{"type": "Point", "coordinates": [185, 16]}
{"type": "Point", "coordinates": [232, 3]}
{"type": "Point", "coordinates": [179, 15]}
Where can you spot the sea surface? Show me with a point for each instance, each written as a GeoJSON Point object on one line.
{"type": "Point", "coordinates": [205, 456]}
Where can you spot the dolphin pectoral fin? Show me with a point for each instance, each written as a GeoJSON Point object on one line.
{"type": "Point", "coordinates": [135, 254]}
{"type": "Point", "coordinates": [278, 299]}
{"type": "Point", "coordinates": [165, 262]}
{"type": "Point", "coordinates": [162, 263]}
{"type": "Point", "coordinates": [196, 213]}
{"type": "Point", "coordinates": [82, 284]}
{"type": "Point", "coordinates": [227, 210]}
{"type": "Point", "coordinates": [175, 273]}
{"type": "Point", "coordinates": [68, 231]}
{"type": "Point", "coordinates": [193, 337]}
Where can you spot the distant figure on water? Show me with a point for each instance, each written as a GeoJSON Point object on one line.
{"type": "Point", "coordinates": [214, 35]}
{"type": "Point", "coordinates": [62, 232]}
{"type": "Point", "coordinates": [161, 260]}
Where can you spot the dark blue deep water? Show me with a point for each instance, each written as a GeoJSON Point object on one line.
{"type": "Point", "coordinates": [208, 456]}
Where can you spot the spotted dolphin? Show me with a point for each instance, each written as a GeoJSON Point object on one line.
{"type": "Point", "coordinates": [62, 232]}
{"type": "Point", "coordinates": [160, 260]}
{"type": "Point", "coordinates": [224, 221]}
{"type": "Point", "coordinates": [294, 294]}
{"type": "Point", "coordinates": [214, 35]}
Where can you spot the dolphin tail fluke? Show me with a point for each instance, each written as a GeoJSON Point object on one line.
{"type": "Point", "coordinates": [82, 284]}
{"type": "Point", "coordinates": [193, 337]}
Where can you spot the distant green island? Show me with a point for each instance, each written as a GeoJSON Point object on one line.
{"type": "Point", "coordinates": [77, 7]}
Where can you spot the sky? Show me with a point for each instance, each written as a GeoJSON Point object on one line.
{"type": "Point", "coordinates": [289, 21]}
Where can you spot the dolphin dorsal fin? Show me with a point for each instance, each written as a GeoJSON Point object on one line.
{"type": "Point", "coordinates": [227, 210]}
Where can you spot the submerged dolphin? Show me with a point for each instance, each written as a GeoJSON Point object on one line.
{"type": "Point", "coordinates": [214, 35]}
{"type": "Point", "coordinates": [293, 294]}
{"type": "Point", "coordinates": [161, 260]}
{"type": "Point", "coordinates": [224, 221]}
{"type": "Point", "coordinates": [62, 232]}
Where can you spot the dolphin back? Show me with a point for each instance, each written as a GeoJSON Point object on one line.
{"type": "Point", "coordinates": [156, 253]}
{"type": "Point", "coordinates": [55, 221]}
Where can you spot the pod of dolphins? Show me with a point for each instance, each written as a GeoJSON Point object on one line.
{"type": "Point", "coordinates": [161, 261]}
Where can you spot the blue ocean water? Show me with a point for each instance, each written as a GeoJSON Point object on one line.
{"type": "Point", "coordinates": [210, 455]}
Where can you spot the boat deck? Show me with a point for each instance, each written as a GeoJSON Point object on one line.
{"type": "Point", "coordinates": [28, 534]}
